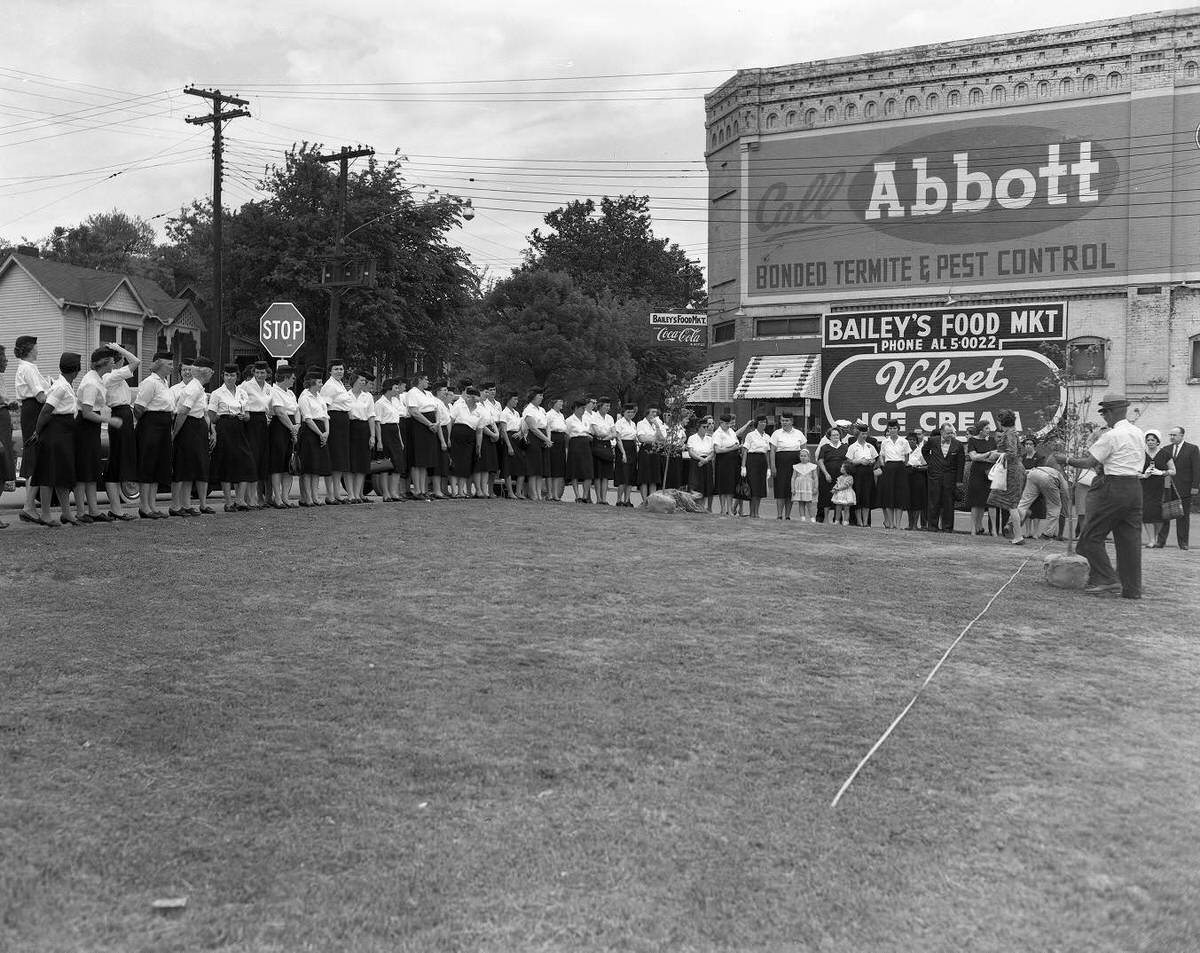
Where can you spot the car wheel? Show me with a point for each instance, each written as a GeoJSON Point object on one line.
{"type": "Point", "coordinates": [130, 492]}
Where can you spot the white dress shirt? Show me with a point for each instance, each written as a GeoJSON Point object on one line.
{"type": "Point", "coordinates": [154, 395]}
{"type": "Point", "coordinates": [312, 406]}
{"type": "Point", "coordinates": [420, 401]}
{"type": "Point", "coordinates": [860, 453]}
{"type": "Point", "coordinates": [193, 399]}
{"type": "Point", "coordinates": [788, 441]}
{"type": "Point", "coordinates": [576, 427]}
{"type": "Point", "coordinates": [282, 398]}
{"type": "Point", "coordinates": [625, 429]}
{"type": "Point", "coordinates": [1121, 450]}
{"type": "Point", "coordinates": [699, 446]}
{"type": "Point", "coordinates": [92, 391]}
{"type": "Point", "coordinates": [256, 399]}
{"type": "Point", "coordinates": [116, 387]}
{"type": "Point", "coordinates": [556, 421]}
{"type": "Point", "coordinates": [226, 403]}
{"type": "Point", "coordinates": [724, 439]}
{"type": "Point", "coordinates": [460, 413]}
{"type": "Point", "coordinates": [61, 396]}
{"type": "Point", "coordinates": [512, 421]}
{"type": "Point", "coordinates": [30, 381]}
{"type": "Point", "coordinates": [535, 417]}
{"type": "Point", "coordinates": [894, 450]}
{"type": "Point", "coordinates": [336, 395]}
{"type": "Point", "coordinates": [387, 411]}
{"type": "Point", "coordinates": [650, 431]}
{"type": "Point", "coordinates": [362, 406]}
{"type": "Point", "coordinates": [756, 442]}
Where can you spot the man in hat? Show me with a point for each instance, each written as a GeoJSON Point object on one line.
{"type": "Point", "coordinates": [154, 410]}
{"type": "Point", "coordinates": [1114, 502]}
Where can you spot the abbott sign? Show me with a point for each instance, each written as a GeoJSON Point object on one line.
{"type": "Point", "coordinates": [1054, 194]}
{"type": "Point", "coordinates": [928, 367]}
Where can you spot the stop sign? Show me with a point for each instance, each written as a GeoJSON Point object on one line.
{"type": "Point", "coordinates": [281, 329]}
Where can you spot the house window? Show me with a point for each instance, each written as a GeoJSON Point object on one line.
{"type": "Point", "coordinates": [1043, 89]}
{"type": "Point", "coordinates": [952, 98]}
{"type": "Point", "coordinates": [1114, 80]}
{"type": "Point", "coordinates": [889, 108]}
{"type": "Point", "coordinates": [932, 102]}
{"type": "Point", "coordinates": [806, 325]}
{"type": "Point", "coordinates": [1086, 359]}
{"type": "Point", "coordinates": [869, 110]}
{"type": "Point", "coordinates": [1089, 84]}
{"type": "Point", "coordinates": [126, 337]}
{"type": "Point", "coordinates": [976, 96]}
{"type": "Point", "coordinates": [911, 105]}
{"type": "Point", "coordinates": [810, 117]}
{"type": "Point", "coordinates": [851, 111]}
{"type": "Point", "coordinates": [1196, 358]}
{"type": "Point", "coordinates": [722, 332]}
{"type": "Point", "coordinates": [830, 114]}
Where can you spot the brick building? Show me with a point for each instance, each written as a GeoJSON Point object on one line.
{"type": "Point", "coordinates": [1054, 168]}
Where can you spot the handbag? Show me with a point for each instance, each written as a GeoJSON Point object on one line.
{"type": "Point", "coordinates": [294, 464]}
{"type": "Point", "coordinates": [602, 450]}
{"type": "Point", "coordinates": [741, 489]}
{"type": "Point", "coordinates": [998, 475]}
{"type": "Point", "coordinates": [1172, 508]}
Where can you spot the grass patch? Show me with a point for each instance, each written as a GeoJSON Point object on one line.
{"type": "Point", "coordinates": [511, 727]}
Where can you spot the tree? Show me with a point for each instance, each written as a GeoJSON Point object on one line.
{"type": "Point", "coordinates": [538, 328]}
{"type": "Point", "coordinates": [108, 241]}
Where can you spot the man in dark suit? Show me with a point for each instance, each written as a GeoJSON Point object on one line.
{"type": "Point", "coordinates": [946, 460]}
{"type": "Point", "coordinates": [1187, 485]}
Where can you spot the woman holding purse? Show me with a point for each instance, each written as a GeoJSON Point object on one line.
{"type": "Point", "coordinates": [1006, 493]}
{"type": "Point", "coordinates": [1157, 467]}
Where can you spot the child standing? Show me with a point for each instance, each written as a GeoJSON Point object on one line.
{"type": "Point", "coordinates": [804, 488]}
{"type": "Point", "coordinates": [843, 497]}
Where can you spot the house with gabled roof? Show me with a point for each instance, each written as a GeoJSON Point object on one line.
{"type": "Point", "coordinates": [71, 308]}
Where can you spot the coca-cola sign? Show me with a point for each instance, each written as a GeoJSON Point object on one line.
{"type": "Point", "coordinates": [928, 367]}
{"type": "Point", "coordinates": [679, 329]}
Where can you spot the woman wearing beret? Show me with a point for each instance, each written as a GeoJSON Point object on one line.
{"type": "Point", "coordinates": [192, 441]}
{"type": "Point", "coordinates": [756, 451]}
{"type": "Point", "coordinates": [426, 439]}
{"type": "Point", "coordinates": [981, 454]}
{"type": "Point", "coordinates": [154, 409]}
{"type": "Point", "coordinates": [465, 442]}
{"type": "Point", "coordinates": [256, 398]}
{"type": "Point", "coordinates": [786, 444]}
{"type": "Point", "coordinates": [387, 417]}
{"type": "Point", "coordinates": [487, 467]}
{"type": "Point", "coordinates": [338, 400]}
{"type": "Point", "coordinates": [314, 443]}
{"type": "Point", "coordinates": [894, 452]}
{"type": "Point", "coordinates": [122, 440]}
{"type": "Point", "coordinates": [556, 465]}
{"type": "Point", "coordinates": [537, 444]}
{"type": "Point", "coordinates": [916, 472]}
{"type": "Point", "coordinates": [441, 473]}
{"type": "Point", "coordinates": [282, 435]}
{"type": "Point", "coordinates": [831, 454]}
{"type": "Point", "coordinates": [727, 448]}
{"type": "Point", "coordinates": [232, 459]}
{"type": "Point", "coordinates": [701, 463]}
{"type": "Point", "coordinates": [91, 398]}
{"type": "Point", "coordinates": [364, 435]}
{"type": "Point", "coordinates": [579, 452]}
{"type": "Point", "coordinates": [862, 456]}
{"type": "Point", "coordinates": [651, 434]}
{"type": "Point", "coordinates": [625, 431]}
{"type": "Point", "coordinates": [512, 449]}
{"type": "Point", "coordinates": [31, 388]}
{"type": "Point", "coordinates": [54, 434]}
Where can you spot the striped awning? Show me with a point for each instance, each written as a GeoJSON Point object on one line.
{"type": "Point", "coordinates": [713, 385]}
{"type": "Point", "coordinates": [781, 376]}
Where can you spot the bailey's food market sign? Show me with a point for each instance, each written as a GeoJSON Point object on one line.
{"type": "Point", "coordinates": [679, 328]}
{"type": "Point", "coordinates": [926, 367]}
{"type": "Point", "coordinates": [1041, 197]}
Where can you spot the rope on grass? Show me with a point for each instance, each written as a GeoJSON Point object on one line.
{"type": "Point", "coordinates": [928, 678]}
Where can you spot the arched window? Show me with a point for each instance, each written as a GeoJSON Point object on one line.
{"type": "Point", "coordinates": [1089, 84]}
{"type": "Point", "coordinates": [952, 98]}
{"type": "Point", "coordinates": [771, 120]}
{"type": "Point", "coordinates": [830, 114]}
{"type": "Point", "coordinates": [911, 105]}
{"type": "Point", "coordinates": [869, 110]}
{"type": "Point", "coordinates": [851, 111]}
{"type": "Point", "coordinates": [976, 97]}
{"type": "Point", "coordinates": [810, 117]}
{"type": "Point", "coordinates": [791, 118]}
{"type": "Point", "coordinates": [1086, 358]}
{"type": "Point", "coordinates": [999, 94]}
{"type": "Point", "coordinates": [931, 102]}
{"type": "Point", "coordinates": [1043, 89]}
{"type": "Point", "coordinates": [889, 107]}
{"type": "Point", "coordinates": [1189, 70]}
{"type": "Point", "coordinates": [1021, 91]}
{"type": "Point", "coordinates": [735, 129]}
{"type": "Point", "coordinates": [1114, 80]}
{"type": "Point", "coordinates": [1067, 86]}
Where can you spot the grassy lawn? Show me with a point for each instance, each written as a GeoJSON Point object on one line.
{"type": "Point", "coordinates": [511, 727]}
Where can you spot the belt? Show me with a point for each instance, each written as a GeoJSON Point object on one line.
{"type": "Point", "coordinates": [1120, 476]}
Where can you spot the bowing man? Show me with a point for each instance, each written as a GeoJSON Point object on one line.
{"type": "Point", "coordinates": [54, 434]}
{"type": "Point", "coordinates": [154, 410]}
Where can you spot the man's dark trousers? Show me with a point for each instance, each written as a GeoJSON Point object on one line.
{"type": "Point", "coordinates": [1114, 505]}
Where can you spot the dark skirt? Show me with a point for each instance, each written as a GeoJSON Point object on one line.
{"type": "Point", "coordinates": [784, 461]}
{"type": "Point", "coordinates": [279, 447]}
{"type": "Point", "coordinates": [893, 486]}
{"type": "Point", "coordinates": [89, 464]}
{"type": "Point", "coordinates": [1152, 499]}
{"type": "Point", "coordinates": [675, 472]}
{"type": "Point", "coordinates": [189, 453]}
{"type": "Point", "coordinates": [314, 459]}
{"type": "Point", "coordinates": [122, 448]}
{"type": "Point", "coordinates": [338, 444]}
{"type": "Point", "coordinates": [700, 478]}
{"type": "Point", "coordinates": [154, 447]}
{"type": "Point", "coordinates": [462, 450]}
{"type": "Point", "coordinates": [55, 462]}
{"type": "Point", "coordinates": [360, 447]}
{"type": "Point", "coordinates": [979, 485]}
{"type": "Point", "coordinates": [918, 488]}
{"type": "Point", "coordinates": [489, 455]}
{"type": "Point", "coordinates": [232, 461]}
{"type": "Point", "coordinates": [602, 460]}
{"type": "Point", "coordinates": [556, 465]}
{"type": "Point", "coordinates": [513, 464]}
{"type": "Point", "coordinates": [579, 459]}
{"type": "Point", "coordinates": [443, 465]}
{"type": "Point", "coordinates": [535, 457]}
{"type": "Point", "coordinates": [649, 465]}
{"type": "Point", "coordinates": [864, 485]}
{"type": "Point", "coordinates": [729, 468]}
{"type": "Point", "coordinates": [626, 469]}
{"type": "Point", "coordinates": [393, 446]}
{"type": "Point", "coordinates": [30, 409]}
{"type": "Point", "coordinates": [8, 471]}
{"type": "Point", "coordinates": [756, 474]}
{"type": "Point", "coordinates": [425, 449]}
{"type": "Point", "coordinates": [259, 442]}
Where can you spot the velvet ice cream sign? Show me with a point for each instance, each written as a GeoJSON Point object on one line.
{"type": "Point", "coordinates": [927, 367]}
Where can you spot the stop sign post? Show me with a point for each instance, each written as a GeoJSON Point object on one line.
{"type": "Point", "coordinates": [281, 329]}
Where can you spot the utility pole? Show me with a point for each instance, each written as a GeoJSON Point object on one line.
{"type": "Point", "coordinates": [342, 157]}
{"type": "Point", "coordinates": [216, 340]}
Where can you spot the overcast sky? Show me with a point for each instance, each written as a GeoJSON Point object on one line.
{"type": "Point", "coordinates": [92, 110]}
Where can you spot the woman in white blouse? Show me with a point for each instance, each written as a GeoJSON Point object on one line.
{"type": "Point", "coordinates": [579, 452]}
{"type": "Point", "coordinates": [862, 457]}
{"type": "Point", "coordinates": [387, 417]}
{"type": "Point", "coordinates": [537, 444]}
{"type": "Point", "coordinates": [314, 442]}
{"type": "Point", "coordinates": [256, 398]}
{"type": "Point", "coordinates": [512, 444]}
{"type": "Point", "coordinates": [122, 441]}
{"type": "Point", "coordinates": [786, 444]}
{"type": "Point", "coordinates": [337, 400]}
{"type": "Point", "coordinates": [465, 443]}
{"type": "Point", "coordinates": [441, 474]}
{"type": "Point", "coordinates": [31, 388]}
{"type": "Point", "coordinates": [282, 434]}
{"type": "Point", "coordinates": [364, 435]}
{"type": "Point", "coordinates": [556, 466]}
{"type": "Point", "coordinates": [625, 431]}
{"type": "Point", "coordinates": [756, 449]}
{"type": "Point", "coordinates": [701, 457]}
{"type": "Point", "coordinates": [727, 448]}
{"type": "Point", "coordinates": [232, 460]}
{"type": "Point", "coordinates": [651, 434]}
{"type": "Point", "coordinates": [92, 399]}
{"type": "Point", "coordinates": [54, 435]}
{"type": "Point", "coordinates": [426, 442]}
{"type": "Point", "coordinates": [894, 452]}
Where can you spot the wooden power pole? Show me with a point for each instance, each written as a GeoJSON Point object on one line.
{"type": "Point", "coordinates": [217, 331]}
{"type": "Point", "coordinates": [342, 157]}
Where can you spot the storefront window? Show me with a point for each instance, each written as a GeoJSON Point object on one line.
{"type": "Point", "coordinates": [803, 326]}
{"type": "Point", "coordinates": [722, 332]}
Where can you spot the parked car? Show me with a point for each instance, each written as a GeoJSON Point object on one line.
{"type": "Point", "coordinates": [129, 491]}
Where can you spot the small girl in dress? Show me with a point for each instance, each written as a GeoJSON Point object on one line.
{"type": "Point", "coordinates": [843, 497]}
{"type": "Point", "coordinates": [804, 488]}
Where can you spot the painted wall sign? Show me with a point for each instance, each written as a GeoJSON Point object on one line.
{"type": "Point", "coordinates": [1033, 193]}
{"type": "Point", "coordinates": [679, 329]}
{"type": "Point", "coordinates": [927, 367]}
